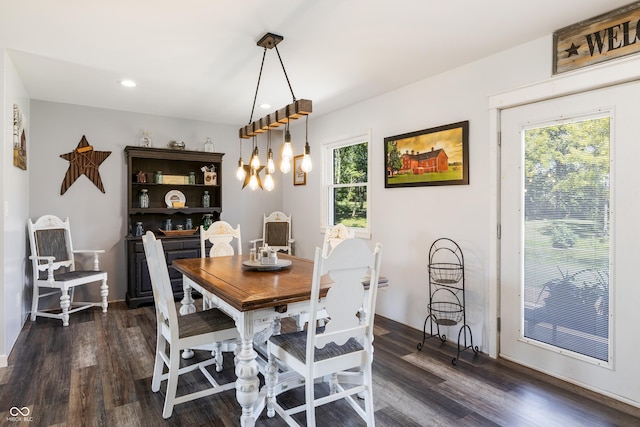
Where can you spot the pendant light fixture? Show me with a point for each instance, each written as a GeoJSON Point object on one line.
{"type": "Point", "coordinates": [271, 167]}
{"type": "Point", "coordinates": [306, 164]}
{"type": "Point", "coordinates": [298, 108]}
{"type": "Point", "coordinates": [269, 185]}
{"type": "Point", "coordinates": [287, 152]}
{"type": "Point", "coordinates": [240, 172]}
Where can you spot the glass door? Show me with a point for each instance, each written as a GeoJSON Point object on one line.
{"type": "Point", "coordinates": [566, 233]}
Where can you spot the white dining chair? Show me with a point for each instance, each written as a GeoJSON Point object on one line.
{"type": "Point", "coordinates": [343, 349]}
{"type": "Point", "coordinates": [276, 233]}
{"type": "Point", "coordinates": [189, 331]}
{"type": "Point", "coordinates": [220, 234]}
{"type": "Point", "coordinates": [55, 270]}
{"type": "Point", "coordinates": [335, 235]}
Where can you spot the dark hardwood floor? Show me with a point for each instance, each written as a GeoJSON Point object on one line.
{"type": "Point", "coordinates": [97, 372]}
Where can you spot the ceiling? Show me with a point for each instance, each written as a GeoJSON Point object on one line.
{"type": "Point", "coordinates": [198, 59]}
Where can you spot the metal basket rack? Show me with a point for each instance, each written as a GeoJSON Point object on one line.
{"type": "Point", "coordinates": [446, 305]}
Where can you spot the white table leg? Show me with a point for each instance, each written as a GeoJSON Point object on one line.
{"type": "Point", "coordinates": [188, 307]}
{"type": "Point", "coordinates": [247, 384]}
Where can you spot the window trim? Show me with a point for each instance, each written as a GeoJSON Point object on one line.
{"type": "Point", "coordinates": [327, 180]}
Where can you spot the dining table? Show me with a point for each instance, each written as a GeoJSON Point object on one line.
{"type": "Point", "coordinates": [257, 297]}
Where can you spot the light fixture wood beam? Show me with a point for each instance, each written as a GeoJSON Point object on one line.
{"type": "Point", "coordinates": [295, 110]}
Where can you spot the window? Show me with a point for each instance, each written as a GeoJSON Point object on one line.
{"type": "Point", "coordinates": [566, 235]}
{"type": "Point", "coordinates": [347, 184]}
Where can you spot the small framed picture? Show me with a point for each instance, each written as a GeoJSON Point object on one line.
{"type": "Point", "coordinates": [299, 176]}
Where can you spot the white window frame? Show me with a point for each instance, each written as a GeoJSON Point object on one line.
{"type": "Point", "coordinates": [328, 186]}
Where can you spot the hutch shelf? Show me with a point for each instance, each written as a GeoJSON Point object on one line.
{"type": "Point", "coordinates": [143, 165]}
{"type": "Point", "coordinates": [447, 295]}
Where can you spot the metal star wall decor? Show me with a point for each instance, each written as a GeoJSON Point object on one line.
{"type": "Point", "coordinates": [84, 160]}
{"type": "Point", "coordinates": [247, 175]}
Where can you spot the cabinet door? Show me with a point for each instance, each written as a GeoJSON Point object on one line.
{"type": "Point", "coordinates": [143, 280]}
{"type": "Point", "coordinates": [174, 275]}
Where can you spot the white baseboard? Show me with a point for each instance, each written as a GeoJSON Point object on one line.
{"type": "Point", "coordinates": [4, 361]}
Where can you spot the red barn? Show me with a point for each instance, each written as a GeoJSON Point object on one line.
{"type": "Point", "coordinates": [431, 161]}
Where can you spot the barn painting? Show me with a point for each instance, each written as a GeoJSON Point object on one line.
{"type": "Point", "coordinates": [435, 156]}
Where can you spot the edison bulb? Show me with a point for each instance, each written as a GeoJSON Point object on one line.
{"type": "Point", "coordinates": [240, 173]}
{"type": "Point", "coordinates": [253, 182]}
{"type": "Point", "coordinates": [306, 165]}
{"type": "Point", "coordinates": [271, 167]}
{"type": "Point", "coordinates": [287, 151]}
{"type": "Point", "coordinates": [255, 160]}
{"type": "Point", "coordinates": [268, 182]}
{"type": "Point", "coordinates": [285, 165]}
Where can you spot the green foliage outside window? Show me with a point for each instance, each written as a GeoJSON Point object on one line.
{"type": "Point", "coordinates": [350, 176]}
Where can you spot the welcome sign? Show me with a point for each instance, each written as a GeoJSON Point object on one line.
{"type": "Point", "coordinates": [609, 36]}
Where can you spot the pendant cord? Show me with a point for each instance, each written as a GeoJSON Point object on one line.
{"type": "Point", "coordinates": [285, 74]}
{"type": "Point", "coordinates": [264, 54]}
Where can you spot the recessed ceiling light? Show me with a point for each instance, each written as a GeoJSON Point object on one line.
{"type": "Point", "coordinates": [265, 106]}
{"type": "Point", "coordinates": [128, 83]}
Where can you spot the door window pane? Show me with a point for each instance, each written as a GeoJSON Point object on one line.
{"type": "Point", "coordinates": [566, 241]}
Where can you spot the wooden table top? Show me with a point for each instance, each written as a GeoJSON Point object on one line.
{"type": "Point", "coordinates": [247, 290]}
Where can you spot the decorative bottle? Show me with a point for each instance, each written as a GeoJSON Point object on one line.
{"type": "Point", "coordinates": [208, 146]}
{"type": "Point", "coordinates": [207, 220]}
{"type": "Point", "coordinates": [145, 139]}
{"type": "Point", "coordinates": [144, 198]}
{"type": "Point", "coordinates": [139, 229]}
{"type": "Point", "coordinates": [192, 178]}
{"type": "Point", "coordinates": [206, 199]}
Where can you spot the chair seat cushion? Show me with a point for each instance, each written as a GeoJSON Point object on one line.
{"type": "Point", "coordinates": [202, 322]}
{"type": "Point", "coordinates": [74, 275]}
{"type": "Point", "coordinates": [295, 343]}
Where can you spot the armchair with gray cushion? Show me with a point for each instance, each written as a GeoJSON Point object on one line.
{"type": "Point", "coordinates": [55, 272]}
{"type": "Point", "coordinates": [276, 233]}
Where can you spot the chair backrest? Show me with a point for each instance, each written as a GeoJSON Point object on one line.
{"type": "Point", "coordinates": [333, 236]}
{"type": "Point", "coordinates": [276, 230]}
{"type": "Point", "coordinates": [49, 236]}
{"type": "Point", "coordinates": [349, 262]}
{"type": "Point", "coordinates": [220, 234]}
{"type": "Point", "coordinates": [160, 281]}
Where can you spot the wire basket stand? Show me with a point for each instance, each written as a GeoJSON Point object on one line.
{"type": "Point", "coordinates": [446, 305]}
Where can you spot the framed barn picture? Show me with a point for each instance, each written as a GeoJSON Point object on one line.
{"type": "Point", "coordinates": [435, 156]}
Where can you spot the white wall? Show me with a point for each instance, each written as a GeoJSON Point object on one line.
{"type": "Point", "coordinates": [407, 220]}
{"type": "Point", "coordinates": [14, 185]}
{"type": "Point", "coordinates": [99, 221]}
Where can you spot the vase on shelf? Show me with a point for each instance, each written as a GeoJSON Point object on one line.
{"type": "Point", "coordinates": [139, 229]}
{"type": "Point", "coordinates": [145, 139]}
{"type": "Point", "coordinates": [144, 198]}
{"type": "Point", "coordinates": [208, 146]}
{"type": "Point", "coordinates": [141, 177]}
{"type": "Point", "coordinates": [207, 220]}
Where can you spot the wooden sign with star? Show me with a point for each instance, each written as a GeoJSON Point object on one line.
{"type": "Point", "coordinates": [605, 37]}
{"type": "Point", "coordinates": [84, 160]}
